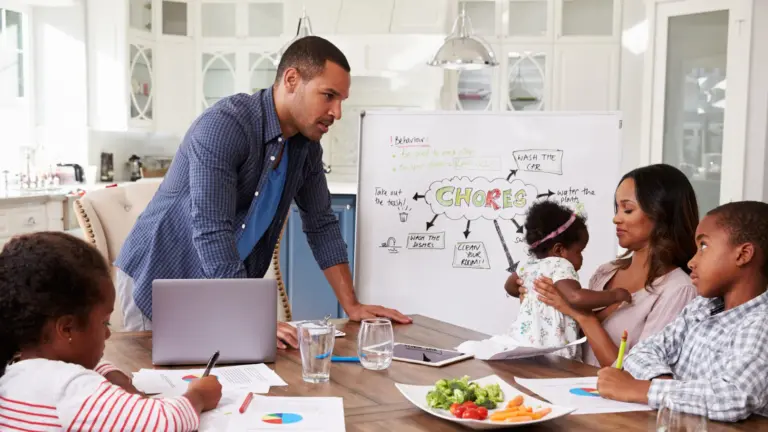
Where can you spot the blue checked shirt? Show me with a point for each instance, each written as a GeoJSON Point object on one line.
{"type": "Point", "coordinates": [191, 228]}
{"type": "Point", "coordinates": [718, 360]}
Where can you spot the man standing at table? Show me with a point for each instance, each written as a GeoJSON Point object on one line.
{"type": "Point", "coordinates": [221, 207]}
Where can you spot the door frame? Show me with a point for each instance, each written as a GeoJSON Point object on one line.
{"type": "Point", "coordinates": [738, 62]}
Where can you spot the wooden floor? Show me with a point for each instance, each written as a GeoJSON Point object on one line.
{"type": "Point", "coordinates": [372, 403]}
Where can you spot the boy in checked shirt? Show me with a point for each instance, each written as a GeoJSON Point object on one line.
{"type": "Point", "coordinates": [712, 360]}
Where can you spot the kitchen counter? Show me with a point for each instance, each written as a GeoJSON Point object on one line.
{"type": "Point", "coordinates": [342, 186]}
{"type": "Point", "coordinates": [16, 196]}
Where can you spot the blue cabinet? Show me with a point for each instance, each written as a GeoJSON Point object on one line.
{"type": "Point", "coordinates": [310, 294]}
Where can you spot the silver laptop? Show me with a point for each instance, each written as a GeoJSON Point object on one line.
{"type": "Point", "coordinates": [193, 318]}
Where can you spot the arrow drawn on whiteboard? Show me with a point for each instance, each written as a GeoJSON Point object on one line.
{"type": "Point", "coordinates": [512, 264]}
{"type": "Point", "coordinates": [511, 173]}
{"type": "Point", "coordinates": [548, 194]}
{"type": "Point", "coordinates": [431, 223]}
{"type": "Point", "coordinates": [466, 231]}
{"type": "Point", "coordinates": [519, 227]}
{"type": "Point", "coordinates": [416, 196]}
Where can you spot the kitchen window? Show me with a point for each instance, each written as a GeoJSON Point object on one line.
{"type": "Point", "coordinates": [16, 107]}
{"type": "Point", "coordinates": [13, 55]}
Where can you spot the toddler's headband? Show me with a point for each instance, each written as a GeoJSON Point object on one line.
{"type": "Point", "coordinates": [556, 232]}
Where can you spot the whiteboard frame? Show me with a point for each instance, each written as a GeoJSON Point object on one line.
{"type": "Point", "coordinates": [360, 150]}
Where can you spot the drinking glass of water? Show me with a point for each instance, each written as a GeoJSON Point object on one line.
{"type": "Point", "coordinates": [671, 419]}
{"type": "Point", "coordinates": [375, 343]}
{"type": "Point", "coordinates": [316, 339]}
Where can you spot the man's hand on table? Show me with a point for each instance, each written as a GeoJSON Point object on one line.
{"type": "Point", "coordinates": [360, 312]}
{"type": "Point", "coordinates": [287, 335]}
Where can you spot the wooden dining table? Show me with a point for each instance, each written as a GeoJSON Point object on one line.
{"type": "Point", "coordinates": [373, 403]}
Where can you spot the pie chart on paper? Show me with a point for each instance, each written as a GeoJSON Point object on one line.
{"type": "Point", "coordinates": [281, 418]}
{"type": "Point", "coordinates": [583, 391]}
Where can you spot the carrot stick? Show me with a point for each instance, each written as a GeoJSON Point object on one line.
{"type": "Point", "coordinates": [517, 401]}
{"type": "Point", "coordinates": [518, 419]}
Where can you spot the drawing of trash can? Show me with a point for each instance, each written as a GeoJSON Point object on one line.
{"type": "Point", "coordinates": [403, 217]}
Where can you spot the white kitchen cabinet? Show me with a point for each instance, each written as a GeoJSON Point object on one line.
{"type": "Point", "coordinates": [365, 17]}
{"type": "Point", "coordinates": [420, 17]}
{"type": "Point", "coordinates": [553, 55]}
{"type": "Point", "coordinates": [236, 21]}
{"type": "Point", "coordinates": [23, 216]}
{"type": "Point", "coordinates": [227, 70]}
{"type": "Point", "coordinates": [586, 77]}
{"type": "Point", "coordinates": [175, 103]}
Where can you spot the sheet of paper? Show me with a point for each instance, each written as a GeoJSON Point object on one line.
{"type": "Point", "coordinates": [317, 414]}
{"type": "Point", "coordinates": [339, 333]}
{"type": "Point", "coordinates": [506, 348]}
{"type": "Point", "coordinates": [218, 419]}
{"type": "Point", "coordinates": [257, 378]}
{"type": "Point", "coordinates": [580, 393]}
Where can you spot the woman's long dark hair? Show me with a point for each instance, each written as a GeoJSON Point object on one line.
{"type": "Point", "coordinates": [667, 197]}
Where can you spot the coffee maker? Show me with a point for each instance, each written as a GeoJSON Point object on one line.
{"type": "Point", "coordinates": [134, 163]}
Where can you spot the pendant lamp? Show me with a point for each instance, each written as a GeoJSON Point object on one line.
{"type": "Point", "coordinates": [462, 50]}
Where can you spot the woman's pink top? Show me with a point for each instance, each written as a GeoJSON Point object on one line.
{"type": "Point", "coordinates": [650, 311]}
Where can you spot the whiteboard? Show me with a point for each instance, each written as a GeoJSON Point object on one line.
{"type": "Point", "coordinates": [442, 198]}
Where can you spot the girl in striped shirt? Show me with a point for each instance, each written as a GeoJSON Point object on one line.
{"type": "Point", "coordinates": [56, 297]}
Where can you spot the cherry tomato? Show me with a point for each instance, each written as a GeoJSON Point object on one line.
{"type": "Point", "coordinates": [469, 404]}
{"type": "Point", "coordinates": [471, 413]}
{"type": "Point", "coordinates": [458, 411]}
{"type": "Point", "coordinates": [483, 412]}
{"type": "Point", "coordinates": [454, 408]}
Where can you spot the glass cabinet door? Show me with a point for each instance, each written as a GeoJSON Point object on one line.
{"type": "Point", "coordinates": [475, 90]}
{"type": "Point", "coordinates": [526, 80]}
{"type": "Point", "coordinates": [529, 18]}
{"type": "Point", "coordinates": [262, 69]}
{"type": "Point", "coordinates": [482, 14]}
{"type": "Point", "coordinates": [175, 17]}
{"type": "Point", "coordinates": [265, 19]}
{"type": "Point", "coordinates": [219, 77]}
{"type": "Point", "coordinates": [140, 15]}
{"type": "Point", "coordinates": [141, 82]}
{"type": "Point", "coordinates": [587, 17]}
{"type": "Point", "coordinates": [218, 20]}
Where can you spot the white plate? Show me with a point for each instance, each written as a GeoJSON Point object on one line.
{"type": "Point", "coordinates": [418, 396]}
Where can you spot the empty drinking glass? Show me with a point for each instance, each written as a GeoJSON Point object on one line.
{"type": "Point", "coordinates": [316, 339]}
{"type": "Point", "coordinates": [375, 343]}
{"type": "Point", "coordinates": [670, 419]}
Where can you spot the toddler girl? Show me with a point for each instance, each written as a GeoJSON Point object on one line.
{"type": "Point", "coordinates": [556, 238]}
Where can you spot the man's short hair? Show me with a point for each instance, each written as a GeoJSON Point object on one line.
{"type": "Point", "coordinates": [309, 55]}
{"type": "Point", "coordinates": [746, 222]}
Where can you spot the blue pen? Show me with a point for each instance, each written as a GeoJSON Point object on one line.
{"type": "Point", "coordinates": [345, 359]}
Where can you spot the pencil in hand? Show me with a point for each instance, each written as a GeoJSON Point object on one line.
{"type": "Point", "coordinates": [622, 348]}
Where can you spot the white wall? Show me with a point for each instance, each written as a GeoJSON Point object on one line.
{"type": "Point", "coordinates": [61, 90]}
{"type": "Point", "coordinates": [755, 179]}
{"type": "Point", "coordinates": [634, 43]}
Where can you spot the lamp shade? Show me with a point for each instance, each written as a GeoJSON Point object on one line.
{"type": "Point", "coordinates": [462, 50]}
